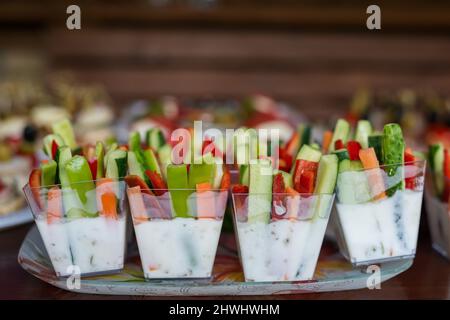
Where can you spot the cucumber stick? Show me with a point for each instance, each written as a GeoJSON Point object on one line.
{"type": "Point", "coordinates": [134, 166]}
{"type": "Point", "coordinates": [165, 155]}
{"type": "Point", "coordinates": [436, 159]}
{"type": "Point", "coordinates": [341, 132]}
{"type": "Point", "coordinates": [64, 129]}
{"type": "Point", "coordinates": [80, 180]}
{"type": "Point", "coordinates": [200, 173]}
{"type": "Point", "coordinates": [100, 155]}
{"type": "Point", "coordinates": [48, 173]}
{"type": "Point", "coordinates": [244, 174]}
{"type": "Point", "coordinates": [363, 131]}
{"type": "Point", "coordinates": [287, 178]}
{"type": "Point", "coordinates": [178, 184]}
{"type": "Point", "coordinates": [260, 192]}
{"type": "Point", "coordinates": [327, 174]}
{"type": "Point", "coordinates": [393, 147]}
{"type": "Point", "coordinates": [326, 183]}
{"type": "Point", "coordinates": [376, 141]}
{"type": "Point", "coordinates": [151, 163]}
{"type": "Point", "coordinates": [155, 138]}
{"type": "Point", "coordinates": [48, 142]}
{"type": "Point", "coordinates": [342, 154]}
{"type": "Point", "coordinates": [309, 153]}
{"type": "Point", "coordinates": [117, 164]}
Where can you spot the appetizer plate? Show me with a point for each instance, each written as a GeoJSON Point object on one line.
{"type": "Point", "coordinates": [16, 218]}
{"type": "Point", "coordinates": [333, 273]}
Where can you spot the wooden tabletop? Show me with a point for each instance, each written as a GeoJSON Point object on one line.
{"type": "Point", "coordinates": [428, 278]}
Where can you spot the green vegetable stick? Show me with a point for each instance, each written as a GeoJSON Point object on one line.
{"type": "Point", "coordinates": [80, 179]}
{"type": "Point", "coordinates": [64, 129]}
{"type": "Point", "coordinates": [48, 173]}
{"type": "Point", "coordinates": [393, 147]}
{"type": "Point", "coordinates": [177, 181]}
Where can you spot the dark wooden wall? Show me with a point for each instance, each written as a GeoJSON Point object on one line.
{"type": "Point", "coordinates": [311, 54]}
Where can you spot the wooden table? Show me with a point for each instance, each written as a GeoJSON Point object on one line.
{"type": "Point", "coordinates": [428, 278]}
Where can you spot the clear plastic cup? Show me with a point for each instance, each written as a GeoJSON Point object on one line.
{"type": "Point", "coordinates": [377, 215]}
{"type": "Point", "coordinates": [438, 213]}
{"type": "Point", "coordinates": [82, 226]}
{"type": "Point", "coordinates": [177, 231]}
{"type": "Point", "coordinates": [280, 235]}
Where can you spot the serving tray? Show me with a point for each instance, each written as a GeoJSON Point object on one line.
{"type": "Point", "coordinates": [15, 218]}
{"type": "Point", "coordinates": [333, 273]}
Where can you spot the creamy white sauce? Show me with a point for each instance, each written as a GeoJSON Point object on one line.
{"type": "Point", "coordinates": [95, 245]}
{"type": "Point", "coordinates": [282, 250]}
{"type": "Point", "coordinates": [178, 248]}
{"type": "Point", "coordinates": [382, 229]}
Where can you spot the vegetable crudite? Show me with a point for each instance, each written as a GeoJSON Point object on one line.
{"type": "Point", "coordinates": [177, 208]}
{"type": "Point", "coordinates": [378, 195]}
{"type": "Point", "coordinates": [438, 198]}
{"type": "Point", "coordinates": [78, 202]}
{"type": "Point", "coordinates": [280, 217]}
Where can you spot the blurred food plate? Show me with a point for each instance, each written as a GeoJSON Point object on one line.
{"type": "Point", "coordinates": [16, 218]}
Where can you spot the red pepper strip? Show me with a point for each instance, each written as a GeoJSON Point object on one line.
{"type": "Point", "coordinates": [239, 188]}
{"type": "Point", "coordinates": [226, 180]}
{"type": "Point", "coordinates": [409, 182]}
{"type": "Point", "coordinates": [157, 211]}
{"type": "Point", "coordinates": [35, 185]}
{"type": "Point", "coordinates": [304, 176]}
{"type": "Point", "coordinates": [54, 149]}
{"type": "Point", "coordinates": [123, 147]}
{"type": "Point", "coordinates": [158, 184]}
{"type": "Point", "coordinates": [278, 190]}
{"type": "Point", "coordinates": [307, 182]}
{"type": "Point", "coordinates": [446, 194]}
{"type": "Point", "coordinates": [93, 166]}
{"type": "Point", "coordinates": [338, 144]}
{"type": "Point", "coordinates": [353, 148]}
{"type": "Point", "coordinates": [133, 181]}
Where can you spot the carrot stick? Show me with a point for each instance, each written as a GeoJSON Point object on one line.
{"type": "Point", "coordinates": [54, 205]}
{"type": "Point", "coordinates": [369, 161]}
{"type": "Point", "coordinates": [326, 140]}
{"type": "Point", "coordinates": [106, 198]}
{"type": "Point", "coordinates": [137, 206]}
{"type": "Point", "coordinates": [292, 203]}
{"type": "Point", "coordinates": [226, 180]}
{"type": "Point", "coordinates": [205, 201]}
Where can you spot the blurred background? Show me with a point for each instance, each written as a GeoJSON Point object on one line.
{"type": "Point", "coordinates": [312, 54]}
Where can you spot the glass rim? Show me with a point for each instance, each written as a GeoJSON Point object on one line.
{"type": "Point", "coordinates": [114, 180]}
{"type": "Point", "coordinates": [283, 194]}
{"type": "Point", "coordinates": [177, 189]}
{"type": "Point", "coordinates": [403, 164]}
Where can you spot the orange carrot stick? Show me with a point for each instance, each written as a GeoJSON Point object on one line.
{"type": "Point", "coordinates": [137, 206]}
{"type": "Point", "coordinates": [326, 140]}
{"type": "Point", "coordinates": [370, 162]}
{"type": "Point", "coordinates": [226, 180]}
{"type": "Point", "coordinates": [292, 203]}
{"type": "Point", "coordinates": [205, 201]}
{"type": "Point", "coordinates": [54, 205]}
{"type": "Point", "coordinates": [106, 198]}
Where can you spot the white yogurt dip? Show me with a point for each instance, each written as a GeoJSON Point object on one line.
{"type": "Point", "coordinates": [178, 248]}
{"type": "Point", "coordinates": [95, 245]}
{"type": "Point", "coordinates": [282, 250]}
{"type": "Point", "coordinates": [381, 229]}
